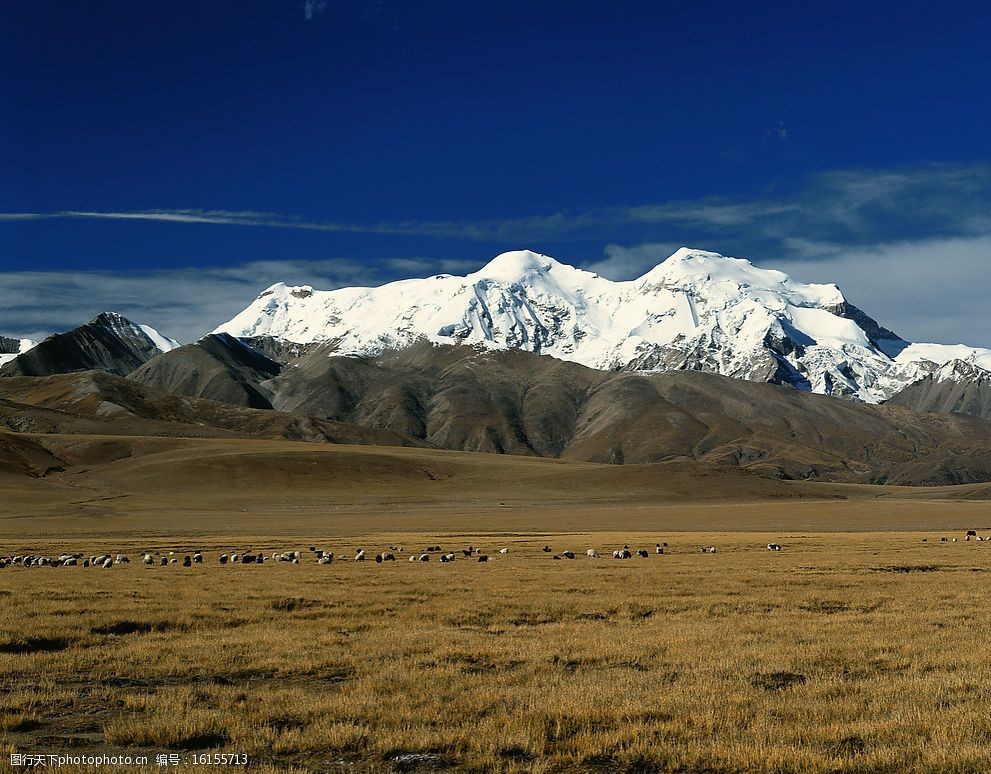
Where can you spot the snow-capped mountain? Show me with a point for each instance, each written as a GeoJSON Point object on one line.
{"type": "Point", "coordinates": [696, 310]}
{"type": "Point", "coordinates": [110, 342]}
{"type": "Point", "coordinates": [11, 348]}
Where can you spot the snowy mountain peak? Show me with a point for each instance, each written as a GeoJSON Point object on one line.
{"type": "Point", "coordinates": [696, 310]}
{"type": "Point", "coordinates": [516, 264]}
{"type": "Point", "coordinates": [690, 267]}
{"type": "Point", "coordinates": [124, 328]}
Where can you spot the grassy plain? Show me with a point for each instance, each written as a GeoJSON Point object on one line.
{"type": "Point", "coordinates": [858, 648]}
{"type": "Point", "coordinates": [863, 652]}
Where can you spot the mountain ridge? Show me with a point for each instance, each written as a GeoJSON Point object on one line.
{"type": "Point", "coordinates": [109, 342]}
{"type": "Point", "coordinates": [696, 310]}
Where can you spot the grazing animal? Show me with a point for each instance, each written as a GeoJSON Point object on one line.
{"type": "Point", "coordinates": [592, 553]}
{"type": "Point", "coordinates": [447, 557]}
{"type": "Point", "coordinates": [658, 549]}
{"type": "Point", "coordinates": [483, 558]}
{"type": "Point", "coordinates": [556, 557]}
{"type": "Point", "coordinates": [360, 556]}
{"type": "Point", "coordinates": [108, 563]}
{"type": "Point", "coordinates": [616, 555]}
{"type": "Point", "coordinates": [468, 551]}
{"type": "Point", "coordinates": [568, 554]}
{"type": "Point", "coordinates": [378, 558]}
{"type": "Point", "coordinates": [223, 558]}
{"type": "Point", "coordinates": [325, 559]}
{"type": "Point", "coordinates": [235, 558]}
{"type": "Point", "coordinates": [122, 559]}
{"type": "Point", "coordinates": [164, 562]}
{"type": "Point", "coordinates": [424, 557]}
{"type": "Point", "coordinates": [712, 549]}
{"type": "Point", "coordinates": [388, 556]}
{"type": "Point", "coordinates": [547, 549]}
{"type": "Point", "coordinates": [642, 552]}
{"type": "Point", "coordinates": [187, 561]}
{"type": "Point", "coordinates": [412, 558]}
{"type": "Point", "coordinates": [503, 550]}
{"type": "Point", "coordinates": [773, 546]}
{"type": "Point", "coordinates": [147, 559]}
{"type": "Point", "coordinates": [625, 553]}
{"type": "Point", "coordinates": [198, 558]}
{"type": "Point", "coordinates": [942, 540]}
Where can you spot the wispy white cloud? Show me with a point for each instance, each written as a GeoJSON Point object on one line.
{"type": "Point", "coordinates": [624, 263]}
{"type": "Point", "coordinates": [924, 290]}
{"type": "Point", "coordinates": [847, 206]}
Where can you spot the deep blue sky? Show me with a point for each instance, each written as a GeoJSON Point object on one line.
{"type": "Point", "coordinates": [482, 116]}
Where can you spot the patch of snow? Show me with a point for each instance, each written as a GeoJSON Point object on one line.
{"type": "Point", "coordinates": [23, 346]}
{"type": "Point", "coordinates": [164, 343]}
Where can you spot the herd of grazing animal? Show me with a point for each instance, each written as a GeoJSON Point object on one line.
{"type": "Point", "coordinates": [249, 556]}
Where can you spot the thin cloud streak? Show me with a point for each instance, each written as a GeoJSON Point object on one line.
{"type": "Point", "coordinates": [848, 206]}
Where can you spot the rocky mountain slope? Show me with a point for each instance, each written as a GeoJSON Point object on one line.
{"type": "Point", "coordinates": [217, 367]}
{"type": "Point", "coordinates": [695, 311]}
{"type": "Point", "coordinates": [959, 387]}
{"type": "Point", "coordinates": [110, 343]}
{"type": "Point", "coordinates": [98, 403]}
{"type": "Point", "coordinates": [471, 398]}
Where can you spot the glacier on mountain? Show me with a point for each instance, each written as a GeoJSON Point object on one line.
{"type": "Point", "coordinates": [696, 310]}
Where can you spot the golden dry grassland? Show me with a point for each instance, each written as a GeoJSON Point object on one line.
{"type": "Point", "coordinates": [845, 652]}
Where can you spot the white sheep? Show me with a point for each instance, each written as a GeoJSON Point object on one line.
{"type": "Point", "coordinates": [503, 550]}
{"type": "Point", "coordinates": [592, 553]}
